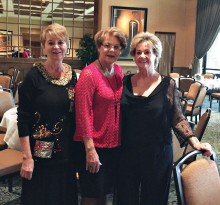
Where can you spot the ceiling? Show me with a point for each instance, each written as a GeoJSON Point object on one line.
{"type": "Point", "coordinates": [46, 9]}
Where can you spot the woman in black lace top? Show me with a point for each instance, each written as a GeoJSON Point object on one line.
{"type": "Point", "coordinates": [150, 108]}
{"type": "Point", "coordinates": [46, 125]}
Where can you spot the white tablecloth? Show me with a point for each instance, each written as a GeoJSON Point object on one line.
{"type": "Point", "coordinates": [212, 84]}
{"type": "Point", "coordinates": [9, 121]}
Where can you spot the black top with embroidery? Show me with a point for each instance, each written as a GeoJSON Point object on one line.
{"type": "Point", "coordinates": [45, 109]}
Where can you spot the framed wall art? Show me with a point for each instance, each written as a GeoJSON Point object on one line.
{"type": "Point", "coordinates": [5, 40]}
{"type": "Point", "coordinates": [130, 20]}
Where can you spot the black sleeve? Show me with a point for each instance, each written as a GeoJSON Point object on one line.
{"type": "Point", "coordinates": [26, 93]}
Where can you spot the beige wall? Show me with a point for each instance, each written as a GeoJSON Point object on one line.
{"type": "Point", "coordinates": [164, 16]}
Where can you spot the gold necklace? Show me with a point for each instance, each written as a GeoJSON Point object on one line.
{"type": "Point", "coordinates": [62, 81]}
{"type": "Point", "coordinates": [114, 92]}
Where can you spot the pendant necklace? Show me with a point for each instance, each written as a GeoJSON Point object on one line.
{"type": "Point", "coordinates": [106, 72]}
{"type": "Point", "coordinates": [114, 92]}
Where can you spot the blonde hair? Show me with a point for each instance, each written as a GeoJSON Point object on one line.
{"type": "Point", "coordinates": [56, 30]}
{"type": "Point", "coordinates": [148, 37]}
{"type": "Point", "coordinates": [113, 31]}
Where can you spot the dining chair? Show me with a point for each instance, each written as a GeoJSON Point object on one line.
{"type": "Point", "coordinates": [6, 101]}
{"type": "Point", "coordinates": [197, 183]}
{"type": "Point", "coordinates": [177, 150]}
{"type": "Point", "coordinates": [208, 75]}
{"type": "Point", "coordinates": [3, 144]}
{"type": "Point", "coordinates": [16, 81]}
{"type": "Point", "coordinates": [10, 165]}
{"type": "Point", "coordinates": [217, 97]}
{"type": "Point", "coordinates": [11, 135]}
{"type": "Point", "coordinates": [194, 107]}
{"type": "Point", "coordinates": [184, 84]}
{"type": "Point", "coordinates": [190, 96]}
{"type": "Point", "coordinates": [183, 103]}
{"type": "Point", "coordinates": [174, 75]}
{"type": "Point", "coordinates": [78, 71]}
{"type": "Point", "coordinates": [11, 71]}
{"type": "Point", "coordinates": [199, 132]}
{"type": "Point", "coordinates": [193, 91]}
{"type": "Point", "coordinates": [1, 138]}
{"type": "Point", "coordinates": [5, 81]}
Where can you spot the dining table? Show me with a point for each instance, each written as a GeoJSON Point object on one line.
{"type": "Point", "coordinates": [9, 121]}
{"type": "Point", "coordinates": [212, 84]}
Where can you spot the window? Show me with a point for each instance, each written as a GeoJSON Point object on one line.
{"type": "Point", "coordinates": [21, 23]}
{"type": "Point", "coordinates": [211, 61]}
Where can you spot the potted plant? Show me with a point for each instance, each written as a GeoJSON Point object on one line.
{"type": "Point", "coordinates": [87, 52]}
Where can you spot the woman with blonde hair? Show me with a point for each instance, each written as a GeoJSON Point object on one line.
{"type": "Point", "coordinates": [150, 108]}
{"type": "Point", "coordinates": [46, 125]}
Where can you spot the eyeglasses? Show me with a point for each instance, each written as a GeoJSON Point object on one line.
{"type": "Point", "coordinates": [109, 46]}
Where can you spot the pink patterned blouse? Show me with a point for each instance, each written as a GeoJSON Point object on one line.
{"type": "Point", "coordinates": [97, 104]}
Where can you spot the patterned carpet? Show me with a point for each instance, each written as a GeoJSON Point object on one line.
{"type": "Point", "coordinates": [211, 135]}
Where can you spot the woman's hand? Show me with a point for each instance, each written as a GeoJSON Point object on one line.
{"type": "Point", "coordinates": [92, 161]}
{"type": "Point", "coordinates": [27, 168]}
{"type": "Point", "coordinates": [204, 146]}
{"type": "Point", "coordinates": [92, 158]}
{"type": "Point", "coordinates": [196, 144]}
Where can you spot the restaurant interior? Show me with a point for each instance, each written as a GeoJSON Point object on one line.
{"type": "Point", "coordinates": [21, 23]}
{"type": "Point", "coordinates": [176, 22]}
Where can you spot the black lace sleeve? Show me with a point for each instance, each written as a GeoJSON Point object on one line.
{"type": "Point", "coordinates": [180, 123]}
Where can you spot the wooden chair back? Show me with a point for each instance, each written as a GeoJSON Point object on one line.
{"type": "Point", "coordinates": [199, 132]}
{"type": "Point", "coordinates": [194, 109]}
{"type": "Point", "coordinates": [183, 103]}
{"type": "Point", "coordinates": [6, 101]}
{"type": "Point", "coordinates": [5, 81]}
{"type": "Point", "coordinates": [77, 70]}
{"type": "Point", "coordinates": [202, 124]}
{"type": "Point", "coordinates": [11, 71]}
{"type": "Point", "coordinates": [209, 75]}
{"type": "Point", "coordinates": [184, 84]}
{"type": "Point", "coordinates": [10, 165]}
{"type": "Point", "coordinates": [177, 150]}
{"type": "Point", "coordinates": [201, 97]}
{"type": "Point", "coordinates": [174, 75]}
{"type": "Point", "coordinates": [193, 91]}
